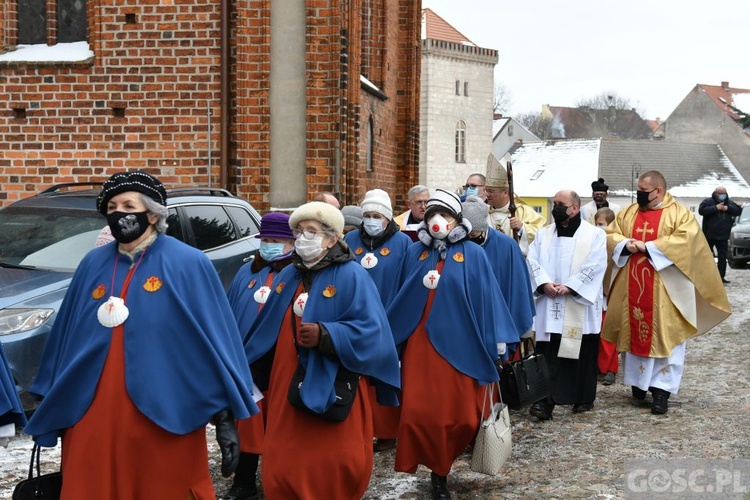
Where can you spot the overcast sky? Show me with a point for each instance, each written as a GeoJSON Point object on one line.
{"type": "Point", "coordinates": [652, 52]}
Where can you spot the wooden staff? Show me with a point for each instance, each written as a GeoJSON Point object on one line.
{"type": "Point", "coordinates": [512, 205]}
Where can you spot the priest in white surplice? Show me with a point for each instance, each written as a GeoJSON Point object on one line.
{"type": "Point", "coordinates": [567, 260]}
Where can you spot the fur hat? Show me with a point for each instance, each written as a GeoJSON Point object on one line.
{"type": "Point", "coordinates": [497, 175]}
{"type": "Point", "coordinates": [378, 201]}
{"type": "Point", "coordinates": [137, 180]}
{"type": "Point", "coordinates": [275, 225]}
{"type": "Point", "coordinates": [599, 185]}
{"type": "Point", "coordinates": [475, 210]}
{"type": "Point", "coordinates": [352, 215]}
{"type": "Point", "coordinates": [442, 200]}
{"type": "Point", "coordinates": [322, 212]}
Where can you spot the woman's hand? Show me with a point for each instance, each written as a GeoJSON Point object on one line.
{"type": "Point", "coordinates": [309, 335]}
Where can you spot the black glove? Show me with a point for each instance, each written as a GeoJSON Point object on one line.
{"type": "Point", "coordinates": [229, 442]}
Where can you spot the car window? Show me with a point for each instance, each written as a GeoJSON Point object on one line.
{"type": "Point", "coordinates": [245, 222]}
{"type": "Point", "coordinates": [47, 237]}
{"type": "Point", "coordinates": [745, 215]}
{"type": "Point", "coordinates": [211, 226]}
{"type": "Point", "coordinates": [174, 228]}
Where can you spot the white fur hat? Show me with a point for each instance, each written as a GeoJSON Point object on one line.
{"type": "Point", "coordinates": [322, 212]}
{"type": "Point", "coordinates": [378, 201]}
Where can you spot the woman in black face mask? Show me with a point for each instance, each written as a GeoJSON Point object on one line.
{"type": "Point", "coordinates": [144, 344]}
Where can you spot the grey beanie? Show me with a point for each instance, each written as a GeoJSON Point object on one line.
{"type": "Point", "coordinates": [352, 215]}
{"type": "Point", "coordinates": [476, 210]}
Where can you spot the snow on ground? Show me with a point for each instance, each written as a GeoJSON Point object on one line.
{"type": "Point", "coordinates": [575, 455]}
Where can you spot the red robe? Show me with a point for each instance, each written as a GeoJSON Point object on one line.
{"type": "Point", "coordinates": [115, 451]}
{"type": "Point", "coordinates": [441, 407]}
{"type": "Point", "coordinates": [303, 455]}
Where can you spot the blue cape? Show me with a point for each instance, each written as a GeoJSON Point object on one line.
{"type": "Point", "coordinates": [512, 275]}
{"type": "Point", "coordinates": [241, 293]}
{"type": "Point", "coordinates": [468, 315]}
{"type": "Point", "coordinates": [10, 404]}
{"type": "Point", "coordinates": [353, 316]}
{"type": "Point", "coordinates": [390, 256]}
{"type": "Point", "coordinates": [183, 354]}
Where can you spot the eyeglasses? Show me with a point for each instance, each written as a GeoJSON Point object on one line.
{"type": "Point", "coordinates": [467, 186]}
{"type": "Point", "coordinates": [422, 203]}
{"type": "Point", "coordinates": [307, 234]}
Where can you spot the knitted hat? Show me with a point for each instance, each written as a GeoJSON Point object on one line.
{"type": "Point", "coordinates": [322, 212]}
{"type": "Point", "coordinates": [137, 180]}
{"type": "Point", "coordinates": [497, 175]}
{"type": "Point", "coordinates": [378, 201]}
{"type": "Point", "coordinates": [445, 201]}
{"type": "Point", "coordinates": [475, 210]}
{"type": "Point", "coordinates": [599, 185]}
{"type": "Point", "coordinates": [275, 225]}
{"type": "Point", "coordinates": [352, 215]}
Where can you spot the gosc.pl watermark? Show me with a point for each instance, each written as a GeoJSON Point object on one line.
{"type": "Point", "coordinates": [687, 478]}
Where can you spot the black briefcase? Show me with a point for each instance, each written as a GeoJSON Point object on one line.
{"type": "Point", "coordinates": [524, 381]}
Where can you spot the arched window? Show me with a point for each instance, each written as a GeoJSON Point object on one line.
{"type": "Point", "coordinates": [461, 141]}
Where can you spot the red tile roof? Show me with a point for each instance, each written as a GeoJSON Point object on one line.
{"type": "Point", "coordinates": [436, 28]}
{"type": "Point", "coordinates": [722, 96]}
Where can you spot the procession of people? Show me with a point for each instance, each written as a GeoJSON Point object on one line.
{"type": "Point", "coordinates": [345, 337]}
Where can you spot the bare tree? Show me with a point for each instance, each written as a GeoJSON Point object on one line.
{"type": "Point", "coordinates": [605, 100]}
{"type": "Point", "coordinates": [536, 124]}
{"type": "Point", "coordinates": [502, 99]}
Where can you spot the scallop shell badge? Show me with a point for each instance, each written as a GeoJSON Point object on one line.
{"type": "Point", "coordinates": [359, 251]}
{"type": "Point", "coordinates": [152, 284]}
{"type": "Point", "coordinates": [299, 304]}
{"type": "Point", "coordinates": [251, 285]}
{"type": "Point", "coordinates": [329, 291]}
{"type": "Point", "coordinates": [458, 257]}
{"type": "Point", "coordinates": [279, 287]}
{"type": "Point", "coordinates": [384, 251]}
{"type": "Point", "coordinates": [261, 294]}
{"type": "Point", "coordinates": [112, 313]}
{"type": "Point", "coordinates": [431, 279]}
{"type": "Point", "coordinates": [423, 255]}
{"type": "Point", "coordinates": [369, 260]}
{"type": "Point", "coordinates": [99, 292]}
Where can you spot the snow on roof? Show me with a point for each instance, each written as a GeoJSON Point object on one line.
{"type": "Point", "coordinates": [497, 125]}
{"type": "Point", "coordinates": [64, 52]}
{"type": "Point", "coordinates": [732, 180]}
{"type": "Point", "coordinates": [742, 102]}
{"type": "Point", "coordinates": [541, 169]}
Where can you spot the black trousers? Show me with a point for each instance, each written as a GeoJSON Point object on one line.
{"type": "Point", "coordinates": [573, 380]}
{"type": "Point", "coordinates": [721, 254]}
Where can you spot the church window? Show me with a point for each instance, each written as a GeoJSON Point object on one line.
{"type": "Point", "coordinates": [461, 142]}
{"type": "Point", "coordinates": [69, 21]}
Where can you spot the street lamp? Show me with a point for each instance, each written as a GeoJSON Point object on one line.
{"type": "Point", "coordinates": [635, 172]}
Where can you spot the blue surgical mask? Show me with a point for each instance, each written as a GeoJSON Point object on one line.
{"type": "Point", "coordinates": [373, 227]}
{"type": "Point", "coordinates": [271, 251]}
{"type": "Point", "coordinates": [722, 197]}
{"type": "Point", "coordinates": [472, 191]}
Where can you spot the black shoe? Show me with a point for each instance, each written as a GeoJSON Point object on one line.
{"type": "Point", "coordinates": [661, 402]}
{"type": "Point", "coordinates": [439, 487]}
{"type": "Point", "coordinates": [582, 407]}
{"type": "Point", "coordinates": [384, 444]}
{"type": "Point", "coordinates": [241, 493]}
{"type": "Point", "coordinates": [638, 393]}
{"type": "Point", "coordinates": [542, 410]}
{"type": "Point", "coordinates": [725, 281]}
{"type": "Point", "coordinates": [609, 378]}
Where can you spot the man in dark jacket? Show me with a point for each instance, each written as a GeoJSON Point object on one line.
{"type": "Point", "coordinates": [718, 213]}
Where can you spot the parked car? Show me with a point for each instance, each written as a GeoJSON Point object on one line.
{"type": "Point", "coordinates": [738, 254]}
{"type": "Point", "coordinates": [44, 237]}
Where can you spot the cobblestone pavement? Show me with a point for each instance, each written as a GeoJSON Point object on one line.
{"type": "Point", "coordinates": [575, 455]}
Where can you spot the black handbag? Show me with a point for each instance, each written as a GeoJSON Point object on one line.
{"type": "Point", "coordinates": [345, 387]}
{"type": "Point", "coordinates": [44, 486]}
{"type": "Point", "coordinates": [524, 381]}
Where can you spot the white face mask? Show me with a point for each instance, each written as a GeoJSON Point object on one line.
{"type": "Point", "coordinates": [308, 249]}
{"type": "Point", "coordinates": [373, 227]}
{"type": "Point", "coordinates": [438, 227]}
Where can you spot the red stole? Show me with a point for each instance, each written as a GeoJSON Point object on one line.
{"type": "Point", "coordinates": [641, 285]}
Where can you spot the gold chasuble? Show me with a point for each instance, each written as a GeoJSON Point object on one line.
{"type": "Point", "coordinates": [650, 312]}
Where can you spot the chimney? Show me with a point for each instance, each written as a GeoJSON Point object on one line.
{"type": "Point", "coordinates": [725, 85]}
